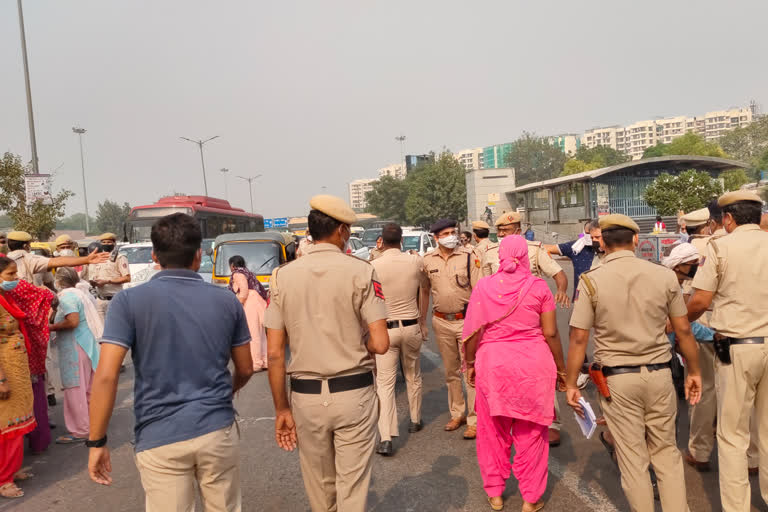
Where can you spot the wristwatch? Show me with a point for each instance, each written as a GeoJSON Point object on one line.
{"type": "Point", "coordinates": [97, 443]}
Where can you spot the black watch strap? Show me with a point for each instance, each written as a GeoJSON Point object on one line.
{"type": "Point", "coordinates": [97, 443]}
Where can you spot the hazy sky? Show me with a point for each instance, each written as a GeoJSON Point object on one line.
{"type": "Point", "coordinates": [312, 93]}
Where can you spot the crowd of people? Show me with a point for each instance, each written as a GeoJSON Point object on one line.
{"type": "Point", "coordinates": [494, 321]}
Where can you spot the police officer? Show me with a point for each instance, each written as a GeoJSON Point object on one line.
{"type": "Point", "coordinates": [32, 267]}
{"type": "Point", "coordinates": [481, 232]}
{"type": "Point", "coordinates": [734, 281]}
{"type": "Point", "coordinates": [65, 246]}
{"type": "Point", "coordinates": [333, 409]}
{"type": "Point", "coordinates": [452, 271]}
{"type": "Point", "coordinates": [108, 277]}
{"type": "Point", "coordinates": [542, 265]}
{"type": "Point", "coordinates": [406, 290]}
{"type": "Point", "coordinates": [375, 252]}
{"type": "Point", "coordinates": [628, 301]}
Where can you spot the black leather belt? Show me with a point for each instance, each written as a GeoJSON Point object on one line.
{"type": "Point", "coordinates": [394, 324]}
{"type": "Point", "coordinates": [618, 370]}
{"type": "Point", "coordinates": [747, 341]}
{"type": "Point", "coordinates": [335, 385]}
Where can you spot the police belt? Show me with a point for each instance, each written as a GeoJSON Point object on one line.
{"type": "Point", "coordinates": [618, 370]}
{"type": "Point", "coordinates": [394, 324]}
{"type": "Point", "coordinates": [335, 384]}
{"type": "Point", "coordinates": [747, 341]}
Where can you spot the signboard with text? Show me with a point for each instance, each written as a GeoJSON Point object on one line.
{"type": "Point", "coordinates": [268, 224]}
{"type": "Point", "coordinates": [281, 222]}
{"type": "Point", "coordinates": [37, 187]}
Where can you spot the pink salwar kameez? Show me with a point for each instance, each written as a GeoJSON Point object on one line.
{"type": "Point", "coordinates": [76, 399]}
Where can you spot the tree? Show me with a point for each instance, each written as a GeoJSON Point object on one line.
{"type": "Point", "coordinates": [437, 191]}
{"type": "Point", "coordinates": [535, 159]}
{"type": "Point", "coordinates": [574, 166]}
{"type": "Point", "coordinates": [600, 156]}
{"type": "Point", "coordinates": [747, 144]}
{"type": "Point", "coordinates": [387, 199]}
{"type": "Point", "coordinates": [688, 144]}
{"type": "Point", "coordinates": [75, 221]}
{"type": "Point", "coordinates": [688, 191]}
{"type": "Point", "coordinates": [37, 219]}
{"type": "Point", "coordinates": [110, 216]}
{"type": "Point", "coordinates": [733, 179]}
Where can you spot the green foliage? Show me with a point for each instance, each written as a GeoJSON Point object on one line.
{"type": "Point", "coordinates": [535, 159]}
{"type": "Point", "coordinates": [600, 156]}
{"type": "Point", "coordinates": [574, 166]}
{"type": "Point", "coordinates": [75, 221]}
{"type": "Point", "coordinates": [688, 191]}
{"type": "Point", "coordinates": [688, 144]}
{"type": "Point", "coordinates": [747, 144]}
{"type": "Point", "coordinates": [733, 179]}
{"type": "Point", "coordinates": [387, 199]}
{"type": "Point", "coordinates": [37, 219]}
{"type": "Point", "coordinates": [110, 216]}
{"type": "Point", "coordinates": [437, 191]}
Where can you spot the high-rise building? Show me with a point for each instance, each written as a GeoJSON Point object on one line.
{"type": "Point", "coordinates": [568, 143]}
{"type": "Point", "coordinates": [635, 138]}
{"type": "Point", "coordinates": [471, 159]}
{"type": "Point", "coordinates": [357, 190]}
{"type": "Point", "coordinates": [396, 171]}
{"type": "Point", "coordinates": [495, 157]}
{"type": "Point", "coordinates": [413, 161]}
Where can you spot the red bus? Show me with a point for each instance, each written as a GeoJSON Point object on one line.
{"type": "Point", "coordinates": [216, 217]}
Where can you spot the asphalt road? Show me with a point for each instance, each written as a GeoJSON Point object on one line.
{"type": "Point", "coordinates": [431, 470]}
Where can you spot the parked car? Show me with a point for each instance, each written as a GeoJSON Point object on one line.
{"type": "Point", "coordinates": [358, 249]}
{"type": "Point", "coordinates": [370, 236]}
{"type": "Point", "coordinates": [419, 241]}
{"type": "Point", "coordinates": [139, 255]}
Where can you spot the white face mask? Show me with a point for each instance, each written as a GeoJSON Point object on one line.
{"type": "Point", "coordinates": [449, 242]}
{"type": "Point", "coordinates": [66, 253]}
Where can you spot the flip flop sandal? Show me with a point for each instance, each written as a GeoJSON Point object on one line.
{"type": "Point", "coordinates": [495, 507]}
{"type": "Point", "coordinates": [610, 448]}
{"type": "Point", "coordinates": [11, 491]}
{"type": "Point", "coordinates": [69, 439]}
{"type": "Point", "coordinates": [23, 474]}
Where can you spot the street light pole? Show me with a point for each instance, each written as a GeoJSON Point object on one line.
{"type": "Point", "coordinates": [30, 114]}
{"type": "Point", "coordinates": [401, 140]}
{"type": "Point", "coordinates": [224, 171]}
{"type": "Point", "coordinates": [202, 160]}
{"type": "Point", "coordinates": [250, 188]}
{"type": "Point", "coordinates": [80, 132]}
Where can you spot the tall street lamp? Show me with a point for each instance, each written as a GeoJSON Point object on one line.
{"type": "Point", "coordinates": [250, 188]}
{"type": "Point", "coordinates": [202, 160]}
{"type": "Point", "coordinates": [80, 132]}
{"type": "Point", "coordinates": [30, 115]}
{"type": "Point", "coordinates": [224, 172]}
{"type": "Point", "coordinates": [401, 140]}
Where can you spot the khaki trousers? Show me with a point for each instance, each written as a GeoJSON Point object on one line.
{"type": "Point", "coordinates": [337, 437]}
{"type": "Point", "coordinates": [741, 386]}
{"type": "Point", "coordinates": [448, 337]}
{"type": "Point", "coordinates": [701, 441]}
{"type": "Point", "coordinates": [641, 417]}
{"type": "Point", "coordinates": [101, 307]}
{"type": "Point", "coordinates": [405, 347]}
{"type": "Point", "coordinates": [169, 472]}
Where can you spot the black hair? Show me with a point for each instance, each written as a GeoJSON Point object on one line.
{"type": "Point", "coordinates": [715, 212]}
{"type": "Point", "coordinates": [695, 230]}
{"type": "Point", "coordinates": [391, 234]}
{"type": "Point", "coordinates": [320, 225]}
{"type": "Point", "coordinates": [5, 262]}
{"type": "Point", "coordinates": [592, 225]}
{"type": "Point", "coordinates": [176, 238]}
{"type": "Point", "coordinates": [237, 261]}
{"type": "Point", "coordinates": [482, 233]}
{"type": "Point", "coordinates": [617, 237]}
{"type": "Point", "coordinates": [15, 245]}
{"type": "Point", "coordinates": [745, 212]}
{"type": "Point", "coordinates": [658, 218]}
{"type": "Point", "coordinates": [467, 234]}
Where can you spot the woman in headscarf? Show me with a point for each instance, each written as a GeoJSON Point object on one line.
{"type": "Point", "coordinates": [254, 299]}
{"type": "Point", "coordinates": [78, 326]}
{"type": "Point", "coordinates": [16, 400]}
{"type": "Point", "coordinates": [514, 359]}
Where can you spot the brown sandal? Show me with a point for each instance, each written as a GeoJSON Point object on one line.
{"type": "Point", "coordinates": [11, 491]}
{"type": "Point", "coordinates": [23, 474]}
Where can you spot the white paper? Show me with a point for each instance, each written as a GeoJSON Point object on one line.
{"type": "Point", "coordinates": [588, 423]}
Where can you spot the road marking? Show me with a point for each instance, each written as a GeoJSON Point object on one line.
{"type": "Point", "coordinates": [589, 493]}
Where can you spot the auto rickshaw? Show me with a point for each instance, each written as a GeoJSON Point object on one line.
{"type": "Point", "coordinates": [262, 252]}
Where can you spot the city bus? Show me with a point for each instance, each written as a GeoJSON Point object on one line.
{"type": "Point", "coordinates": [216, 217]}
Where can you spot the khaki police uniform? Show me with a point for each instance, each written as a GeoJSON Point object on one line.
{"type": "Point", "coordinates": [325, 323]}
{"type": "Point", "coordinates": [627, 302]}
{"type": "Point", "coordinates": [451, 282]}
{"type": "Point", "coordinates": [374, 253]}
{"type": "Point", "coordinates": [32, 267]}
{"type": "Point", "coordinates": [107, 271]}
{"type": "Point", "coordinates": [734, 270]}
{"type": "Point", "coordinates": [401, 275]}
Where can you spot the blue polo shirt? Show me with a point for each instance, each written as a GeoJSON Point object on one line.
{"type": "Point", "coordinates": [180, 331]}
{"type": "Point", "coordinates": [581, 262]}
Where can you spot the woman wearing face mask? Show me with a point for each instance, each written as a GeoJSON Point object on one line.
{"type": "Point", "coordinates": [78, 326]}
{"type": "Point", "coordinates": [16, 400]}
{"type": "Point", "coordinates": [253, 297]}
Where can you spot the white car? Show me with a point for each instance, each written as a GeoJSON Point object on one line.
{"type": "Point", "coordinates": [419, 241]}
{"type": "Point", "coordinates": [139, 258]}
{"type": "Point", "coordinates": [358, 249]}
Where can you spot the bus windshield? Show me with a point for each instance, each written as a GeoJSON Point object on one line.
{"type": "Point", "coordinates": [260, 257]}
{"type": "Point", "coordinates": [412, 243]}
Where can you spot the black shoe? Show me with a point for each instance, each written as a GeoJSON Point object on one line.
{"type": "Point", "coordinates": [51, 400]}
{"type": "Point", "coordinates": [415, 427]}
{"type": "Point", "coordinates": [385, 448]}
{"type": "Point", "coordinates": [51, 425]}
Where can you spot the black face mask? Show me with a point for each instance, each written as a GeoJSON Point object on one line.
{"type": "Point", "coordinates": [596, 247]}
{"type": "Point", "coordinates": [692, 272]}
{"type": "Point", "coordinates": [107, 247]}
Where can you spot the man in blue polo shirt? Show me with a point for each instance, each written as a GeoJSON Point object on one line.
{"type": "Point", "coordinates": [182, 333]}
{"type": "Point", "coordinates": [581, 252]}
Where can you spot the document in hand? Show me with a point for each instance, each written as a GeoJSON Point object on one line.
{"type": "Point", "coordinates": [588, 423]}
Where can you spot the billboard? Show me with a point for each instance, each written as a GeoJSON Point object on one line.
{"type": "Point", "coordinates": [268, 224]}
{"type": "Point", "coordinates": [37, 187]}
{"type": "Point", "coordinates": [281, 222]}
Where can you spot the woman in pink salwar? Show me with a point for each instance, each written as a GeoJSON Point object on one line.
{"type": "Point", "coordinates": [514, 359]}
{"type": "Point", "coordinates": [253, 297]}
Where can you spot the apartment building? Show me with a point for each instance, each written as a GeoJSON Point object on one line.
{"type": "Point", "coordinates": [397, 171]}
{"type": "Point", "coordinates": [634, 139]}
{"type": "Point", "coordinates": [357, 190]}
{"type": "Point", "coordinates": [568, 143]}
{"type": "Point", "coordinates": [471, 159]}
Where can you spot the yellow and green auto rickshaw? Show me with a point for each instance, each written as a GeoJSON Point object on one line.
{"type": "Point", "coordinates": [262, 252]}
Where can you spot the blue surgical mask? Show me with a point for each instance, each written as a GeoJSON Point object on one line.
{"type": "Point", "coordinates": [9, 285]}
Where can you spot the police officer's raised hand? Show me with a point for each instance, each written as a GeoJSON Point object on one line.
{"type": "Point", "coordinates": [285, 430]}
{"type": "Point", "coordinates": [573, 395]}
{"type": "Point", "coordinates": [97, 257]}
{"type": "Point", "coordinates": [693, 389]}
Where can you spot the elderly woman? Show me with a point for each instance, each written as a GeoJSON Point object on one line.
{"type": "Point", "coordinates": [77, 325]}
{"type": "Point", "coordinates": [16, 399]}
{"type": "Point", "coordinates": [253, 297]}
{"type": "Point", "coordinates": [514, 358]}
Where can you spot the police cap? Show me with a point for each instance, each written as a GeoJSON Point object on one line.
{"type": "Point", "coordinates": [616, 221]}
{"type": "Point", "coordinates": [479, 224]}
{"type": "Point", "coordinates": [334, 207]}
{"type": "Point", "coordinates": [441, 225]}
{"type": "Point", "coordinates": [509, 218]}
{"type": "Point", "coordinates": [696, 218]}
{"type": "Point", "coordinates": [19, 236]}
{"type": "Point", "coordinates": [737, 196]}
{"type": "Point", "coordinates": [62, 239]}
{"type": "Point", "coordinates": [107, 236]}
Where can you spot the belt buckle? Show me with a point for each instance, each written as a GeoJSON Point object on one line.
{"type": "Point", "coordinates": [450, 317]}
